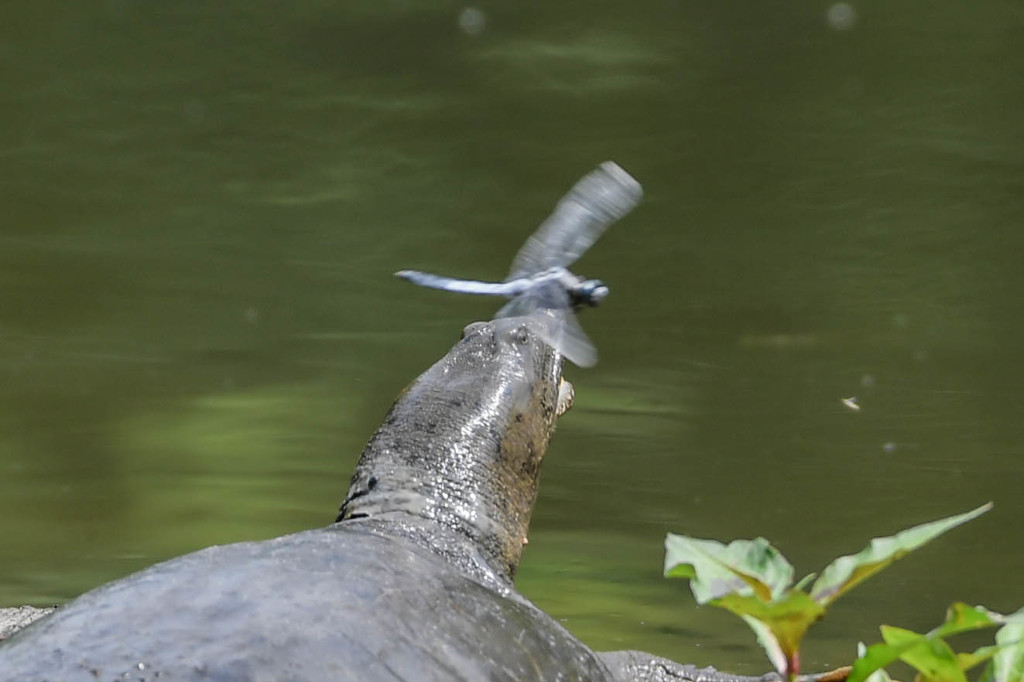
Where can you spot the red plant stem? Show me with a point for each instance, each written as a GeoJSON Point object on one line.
{"type": "Point", "coordinates": [793, 666]}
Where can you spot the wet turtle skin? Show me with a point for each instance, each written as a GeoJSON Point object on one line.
{"type": "Point", "coordinates": [412, 583]}
{"type": "Point", "coordinates": [355, 601]}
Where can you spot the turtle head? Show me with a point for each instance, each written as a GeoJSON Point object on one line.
{"type": "Point", "coordinates": [463, 445]}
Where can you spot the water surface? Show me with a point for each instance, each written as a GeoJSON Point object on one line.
{"type": "Point", "coordinates": [204, 203]}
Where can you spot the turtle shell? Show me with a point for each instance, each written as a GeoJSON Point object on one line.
{"type": "Point", "coordinates": [353, 601]}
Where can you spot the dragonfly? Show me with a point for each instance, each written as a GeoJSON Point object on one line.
{"type": "Point", "coordinates": [540, 284]}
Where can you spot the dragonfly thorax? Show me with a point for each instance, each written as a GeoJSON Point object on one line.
{"type": "Point", "coordinates": [582, 291]}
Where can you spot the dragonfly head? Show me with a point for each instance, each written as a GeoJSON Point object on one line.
{"type": "Point", "coordinates": [589, 292]}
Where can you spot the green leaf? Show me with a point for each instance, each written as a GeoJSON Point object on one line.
{"type": "Point", "coordinates": [715, 570]}
{"type": "Point", "coordinates": [769, 643]}
{"type": "Point", "coordinates": [847, 572]}
{"type": "Point", "coordinates": [1008, 662]}
{"type": "Point", "coordinates": [878, 675]}
{"type": "Point", "coordinates": [930, 656]}
{"type": "Point", "coordinates": [966, 661]}
{"type": "Point", "coordinates": [963, 618]}
{"type": "Point", "coordinates": [930, 651]}
{"type": "Point", "coordinates": [787, 619]}
{"type": "Point", "coordinates": [805, 581]}
{"type": "Point", "coordinates": [875, 658]}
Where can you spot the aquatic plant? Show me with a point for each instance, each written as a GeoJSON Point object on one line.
{"type": "Point", "coordinates": [753, 580]}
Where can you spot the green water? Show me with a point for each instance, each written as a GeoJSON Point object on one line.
{"type": "Point", "coordinates": [203, 204]}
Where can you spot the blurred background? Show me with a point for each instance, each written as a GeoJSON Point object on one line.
{"type": "Point", "coordinates": [203, 205]}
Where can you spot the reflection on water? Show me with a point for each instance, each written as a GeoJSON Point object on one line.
{"type": "Point", "coordinates": [198, 327]}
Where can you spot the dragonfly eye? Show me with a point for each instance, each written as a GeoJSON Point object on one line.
{"type": "Point", "coordinates": [594, 291]}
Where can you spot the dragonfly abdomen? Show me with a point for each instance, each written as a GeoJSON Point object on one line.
{"type": "Point", "coordinates": [464, 286]}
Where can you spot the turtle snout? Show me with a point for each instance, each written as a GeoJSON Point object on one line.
{"type": "Point", "coordinates": [471, 329]}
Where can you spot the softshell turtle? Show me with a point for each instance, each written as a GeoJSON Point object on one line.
{"type": "Point", "coordinates": [413, 581]}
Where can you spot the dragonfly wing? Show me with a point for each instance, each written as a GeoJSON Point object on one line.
{"type": "Point", "coordinates": [600, 198]}
{"type": "Point", "coordinates": [549, 295]}
{"type": "Point", "coordinates": [520, 306]}
{"type": "Point", "coordinates": [562, 331]}
{"type": "Point", "coordinates": [548, 308]}
{"type": "Point", "coordinates": [462, 286]}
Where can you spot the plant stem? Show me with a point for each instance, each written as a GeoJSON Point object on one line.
{"type": "Point", "coordinates": [793, 666]}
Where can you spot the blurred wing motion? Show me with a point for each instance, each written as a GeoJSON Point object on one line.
{"type": "Point", "coordinates": [599, 199]}
{"type": "Point", "coordinates": [539, 283]}
{"type": "Point", "coordinates": [548, 306]}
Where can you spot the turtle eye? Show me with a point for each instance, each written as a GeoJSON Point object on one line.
{"type": "Point", "coordinates": [522, 335]}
